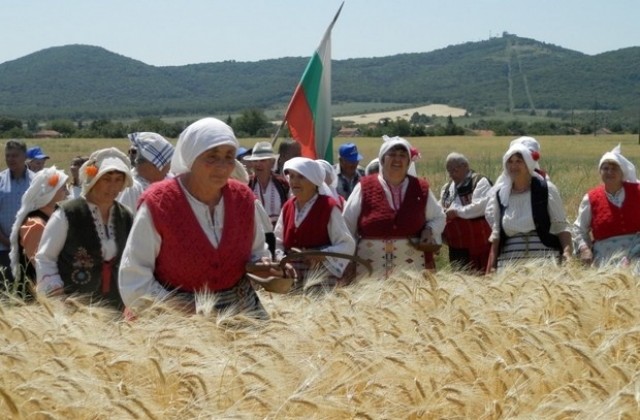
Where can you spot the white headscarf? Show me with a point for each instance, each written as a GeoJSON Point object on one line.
{"type": "Point", "coordinates": [372, 167]}
{"type": "Point", "coordinates": [197, 138]}
{"type": "Point", "coordinates": [44, 186]}
{"type": "Point", "coordinates": [102, 161]}
{"type": "Point", "coordinates": [628, 168]}
{"type": "Point", "coordinates": [240, 173]}
{"type": "Point", "coordinates": [311, 170]}
{"type": "Point", "coordinates": [504, 183]}
{"type": "Point", "coordinates": [531, 144]}
{"type": "Point", "coordinates": [153, 148]}
{"type": "Point", "coordinates": [388, 143]}
{"type": "Point", "coordinates": [331, 178]}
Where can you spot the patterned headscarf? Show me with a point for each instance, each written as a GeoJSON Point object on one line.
{"type": "Point", "coordinates": [153, 148]}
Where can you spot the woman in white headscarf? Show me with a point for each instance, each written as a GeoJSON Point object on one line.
{"type": "Point", "coordinates": [607, 229]}
{"type": "Point", "coordinates": [83, 241]}
{"type": "Point", "coordinates": [526, 213]}
{"type": "Point", "coordinates": [38, 203]}
{"type": "Point", "coordinates": [331, 179]}
{"type": "Point", "coordinates": [393, 212]}
{"type": "Point", "coordinates": [196, 233]}
{"type": "Point", "coordinates": [311, 220]}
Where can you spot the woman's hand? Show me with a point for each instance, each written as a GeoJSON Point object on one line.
{"type": "Point", "coordinates": [586, 255]}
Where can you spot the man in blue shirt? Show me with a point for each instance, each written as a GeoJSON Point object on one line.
{"type": "Point", "coordinates": [349, 171]}
{"type": "Point", "coordinates": [14, 181]}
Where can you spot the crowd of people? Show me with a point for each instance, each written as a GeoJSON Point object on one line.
{"type": "Point", "coordinates": [169, 223]}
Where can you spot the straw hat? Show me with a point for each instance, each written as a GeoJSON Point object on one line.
{"type": "Point", "coordinates": [261, 151]}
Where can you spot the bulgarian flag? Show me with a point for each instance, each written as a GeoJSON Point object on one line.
{"type": "Point", "coordinates": [308, 115]}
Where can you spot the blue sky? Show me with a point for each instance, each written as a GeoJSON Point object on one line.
{"type": "Point", "coordinates": [173, 32]}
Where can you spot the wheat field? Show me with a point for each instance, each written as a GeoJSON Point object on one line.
{"type": "Point", "coordinates": [539, 341]}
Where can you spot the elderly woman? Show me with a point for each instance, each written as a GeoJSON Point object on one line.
{"type": "Point", "coordinates": [607, 226]}
{"type": "Point", "coordinates": [391, 212]}
{"type": "Point", "coordinates": [38, 203]}
{"type": "Point", "coordinates": [150, 164]}
{"type": "Point", "coordinates": [83, 241]}
{"type": "Point", "coordinates": [331, 179]}
{"type": "Point", "coordinates": [196, 233]}
{"type": "Point", "coordinates": [311, 220]}
{"type": "Point", "coordinates": [527, 214]}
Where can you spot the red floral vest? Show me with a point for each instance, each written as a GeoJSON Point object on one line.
{"type": "Point", "coordinates": [608, 220]}
{"type": "Point", "coordinates": [187, 260]}
{"type": "Point", "coordinates": [313, 232]}
{"type": "Point", "coordinates": [378, 220]}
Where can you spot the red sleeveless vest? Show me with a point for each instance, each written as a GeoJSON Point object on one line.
{"type": "Point", "coordinates": [187, 260]}
{"type": "Point", "coordinates": [608, 220]}
{"type": "Point", "coordinates": [313, 232]}
{"type": "Point", "coordinates": [378, 220]}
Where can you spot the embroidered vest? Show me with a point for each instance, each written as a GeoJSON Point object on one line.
{"type": "Point", "coordinates": [187, 261]}
{"type": "Point", "coordinates": [540, 212]}
{"type": "Point", "coordinates": [80, 262]}
{"type": "Point", "coordinates": [378, 220]}
{"type": "Point", "coordinates": [608, 220]}
{"type": "Point", "coordinates": [281, 184]}
{"type": "Point", "coordinates": [313, 232]}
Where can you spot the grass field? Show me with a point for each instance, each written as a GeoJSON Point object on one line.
{"type": "Point", "coordinates": [536, 342]}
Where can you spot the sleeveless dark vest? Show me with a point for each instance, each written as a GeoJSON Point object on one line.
{"type": "Point", "coordinates": [540, 212]}
{"type": "Point", "coordinates": [80, 261]}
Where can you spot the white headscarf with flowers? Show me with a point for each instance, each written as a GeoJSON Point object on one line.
{"type": "Point", "coordinates": [628, 168]}
{"type": "Point", "coordinates": [311, 170]}
{"type": "Point", "coordinates": [197, 138]}
{"type": "Point", "coordinates": [101, 162]}
{"type": "Point", "coordinates": [390, 142]}
{"type": "Point", "coordinates": [504, 183]}
{"type": "Point", "coordinates": [531, 144]}
{"type": "Point", "coordinates": [43, 188]}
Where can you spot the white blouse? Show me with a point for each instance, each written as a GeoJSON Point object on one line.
{"type": "Point", "coordinates": [136, 279]}
{"type": "Point", "coordinates": [582, 225]}
{"type": "Point", "coordinates": [478, 203]}
{"type": "Point", "coordinates": [518, 217]}
{"type": "Point", "coordinates": [53, 240]}
{"type": "Point", "coordinates": [341, 240]}
{"type": "Point", "coordinates": [434, 214]}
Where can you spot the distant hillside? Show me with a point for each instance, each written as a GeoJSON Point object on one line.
{"type": "Point", "coordinates": [506, 73]}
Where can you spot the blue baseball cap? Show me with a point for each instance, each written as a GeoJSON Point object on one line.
{"type": "Point", "coordinates": [349, 152]}
{"type": "Point", "coordinates": [36, 153]}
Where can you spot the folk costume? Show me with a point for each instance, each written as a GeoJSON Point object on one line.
{"type": "Point", "coordinates": [37, 206]}
{"type": "Point", "coordinates": [79, 252]}
{"type": "Point", "coordinates": [201, 250]}
{"type": "Point", "coordinates": [608, 222]}
{"type": "Point", "coordinates": [527, 223]}
{"type": "Point", "coordinates": [467, 235]}
{"type": "Point", "coordinates": [316, 225]}
{"type": "Point", "coordinates": [384, 219]}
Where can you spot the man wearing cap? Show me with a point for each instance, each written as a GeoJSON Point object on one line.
{"type": "Point", "coordinates": [271, 189]}
{"type": "Point", "coordinates": [151, 164]}
{"type": "Point", "coordinates": [14, 181]}
{"type": "Point", "coordinates": [348, 170]}
{"type": "Point", "coordinates": [36, 159]}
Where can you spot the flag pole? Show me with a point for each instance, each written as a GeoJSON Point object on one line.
{"type": "Point", "coordinates": [284, 119]}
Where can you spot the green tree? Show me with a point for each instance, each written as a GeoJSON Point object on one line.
{"type": "Point", "coordinates": [65, 127]}
{"type": "Point", "coordinates": [250, 122]}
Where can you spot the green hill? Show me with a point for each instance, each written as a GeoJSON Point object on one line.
{"type": "Point", "coordinates": [506, 73]}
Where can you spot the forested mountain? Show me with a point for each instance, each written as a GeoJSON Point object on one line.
{"type": "Point", "coordinates": [505, 73]}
